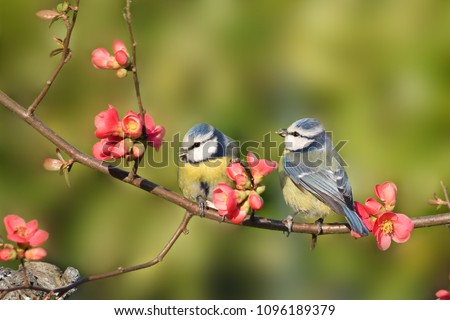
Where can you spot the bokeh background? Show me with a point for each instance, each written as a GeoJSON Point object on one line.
{"type": "Point", "coordinates": [376, 73]}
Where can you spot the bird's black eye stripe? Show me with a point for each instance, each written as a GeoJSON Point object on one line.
{"type": "Point", "coordinates": [296, 134]}
{"type": "Point", "coordinates": [195, 145]}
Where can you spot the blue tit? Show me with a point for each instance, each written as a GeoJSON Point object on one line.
{"type": "Point", "coordinates": [312, 176]}
{"type": "Point", "coordinates": [204, 155]}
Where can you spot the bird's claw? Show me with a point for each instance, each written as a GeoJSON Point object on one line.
{"type": "Point", "coordinates": [319, 223]}
{"type": "Point", "coordinates": [288, 222]}
{"type": "Point", "coordinates": [201, 205]}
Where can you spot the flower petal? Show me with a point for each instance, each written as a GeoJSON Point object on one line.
{"type": "Point", "coordinates": [403, 227]}
{"type": "Point", "coordinates": [11, 223]}
{"type": "Point", "coordinates": [383, 241]}
{"type": "Point", "coordinates": [107, 123]}
{"type": "Point", "coordinates": [39, 237]}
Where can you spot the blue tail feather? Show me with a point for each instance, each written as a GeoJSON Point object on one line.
{"type": "Point", "coordinates": [355, 222]}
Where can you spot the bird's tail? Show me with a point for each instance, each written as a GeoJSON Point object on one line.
{"type": "Point", "coordinates": [355, 222]}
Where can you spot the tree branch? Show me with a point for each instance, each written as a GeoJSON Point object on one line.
{"type": "Point", "coordinates": [160, 191]}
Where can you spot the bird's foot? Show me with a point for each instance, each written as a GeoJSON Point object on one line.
{"type": "Point", "coordinates": [201, 205]}
{"type": "Point", "coordinates": [315, 236]}
{"type": "Point", "coordinates": [288, 222]}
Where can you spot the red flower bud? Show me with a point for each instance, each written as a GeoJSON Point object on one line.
{"type": "Point", "coordinates": [255, 200]}
{"type": "Point", "coordinates": [35, 254]}
{"type": "Point", "coordinates": [387, 192]}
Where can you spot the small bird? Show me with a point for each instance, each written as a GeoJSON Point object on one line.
{"type": "Point", "coordinates": [313, 178]}
{"type": "Point", "coordinates": [204, 155]}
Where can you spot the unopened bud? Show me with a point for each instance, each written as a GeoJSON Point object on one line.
{"type": "Point", "coordinates": [122, 58]}
{"type": "Point", "coordinates": [47, 14]}
{"type": "Point", "coordinates": [260, 189]}
{"type": "Point", "coordinates": [138, 150]}
{"type": "Point", "coordinates": [121, 73]}
{"type": "Point", "coordinates": [50, 164]}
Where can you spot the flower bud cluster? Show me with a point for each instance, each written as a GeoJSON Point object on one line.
{"type": "Point", "coordinates": [235, 204]}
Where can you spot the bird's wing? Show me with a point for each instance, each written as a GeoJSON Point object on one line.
{"type": "Point", "coordinates": [327, 183]}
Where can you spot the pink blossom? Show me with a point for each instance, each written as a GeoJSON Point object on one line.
{"type": "Point", "coordinates": [102, 59]}
{"type": "Point", "coordinates": [443, 295]}
{"type": "Point", "coordinates": [255, 200]}
{"type": "Point", "coordinates": [21, 232]}
{"type": "Point", "coordinates": [35, 254]}
{"type": "Point", "coordinates": [237, 173]}
{"type": "Point", "coordinates": [132, 125]}
{"type": "Point", "coordinates": [260, 168]}
{"type": "Point", "coordinates": [395, 226]}
{"type": "Point", "coordinates": [155, 134]}
{"type": "Point", "coordinates": [107, 123]}
{"type": "Point", "coordinates": [364, 215]}
{"type": "Point", "coordinates": [387, 192]}
{"type": "Point", "coordinates": [109, 148]}
{"type": "Point", "coordinates": [238, 215]}
{"type": "Point", "coordinates": [224, 199]}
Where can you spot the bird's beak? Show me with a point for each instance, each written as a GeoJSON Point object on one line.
{"type": "Point", "coordinates": [182, 154]}
{"type": "Point", "coordinates": [282, 132]}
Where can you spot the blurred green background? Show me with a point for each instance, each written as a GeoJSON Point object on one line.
{"type": "Point", "coordinates": [376, 73]}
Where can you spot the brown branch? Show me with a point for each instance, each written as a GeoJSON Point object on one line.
{"type": "Point", "coordinates": [65, 57]}
{"type": "Point", "coordinates": [160, 191]}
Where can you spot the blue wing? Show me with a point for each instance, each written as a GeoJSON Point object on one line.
{"type": "Point", "coordinates": [329, 183]}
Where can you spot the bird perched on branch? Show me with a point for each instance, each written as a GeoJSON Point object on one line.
{"type": "Point", "coordinates": [204, 155]}
{"type": "Point", "coordinates": [312, 176]}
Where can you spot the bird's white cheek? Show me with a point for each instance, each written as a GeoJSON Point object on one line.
{"type": "Point", "coordinates": [197, 155]}
{"type": "Point", "coordinates": [296, 143]}
{"type": "Point", "coordinates": [212, 150]}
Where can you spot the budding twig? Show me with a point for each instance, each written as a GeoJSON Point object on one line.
{"type": "Point", "coordinates": [128, 19]}
{"type": "Point", "coordinates": [65, 57]}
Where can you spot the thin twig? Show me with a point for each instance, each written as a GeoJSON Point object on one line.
{"type": "Point", "coordinates": [65, 57]}
{"type": "Point", "coordinates": [182, 228]}
{"type": "Point", "coordinates": [128, 19]}
{"type": "Point", "coordinates": [444, 189]}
